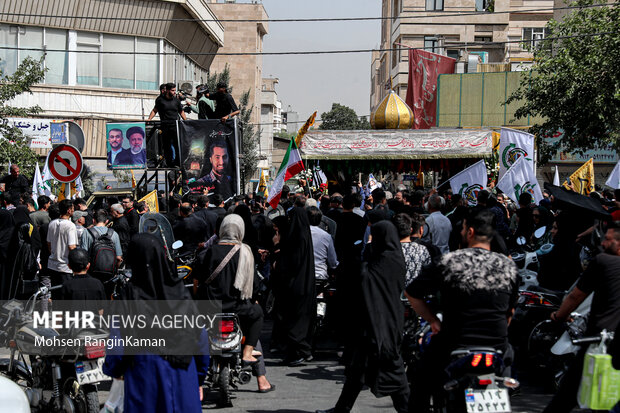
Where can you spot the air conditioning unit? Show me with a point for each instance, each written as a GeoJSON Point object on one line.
{"type": "Point", "coordinates": [188, 86]}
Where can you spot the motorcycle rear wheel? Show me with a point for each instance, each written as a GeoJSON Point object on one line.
{"type": "Point", "coordinates": [85, 400]}
{"type": "Point", "coordinates": [224, 387]}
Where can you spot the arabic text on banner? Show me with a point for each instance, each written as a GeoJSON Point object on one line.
{"type": "Point", "coordinates": [583, 178]}
{"type": "Point", "coordinates": [36, 130]}
{"type": "Point", "coordinates": [400, 144]}
{"type": "Point", "coordinates": [424, 69]}
{"type": "Point", "coordinates": [151, 200]}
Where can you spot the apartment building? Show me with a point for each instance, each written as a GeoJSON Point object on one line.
{"type": "Point", "coordinates": [270, 121]}
{"type": "Point", "coordinates": [455, 28]}
{"type": "Point", "coordinates": [105, 59]}
{"type": "Point", "coordinates": [246, 71]}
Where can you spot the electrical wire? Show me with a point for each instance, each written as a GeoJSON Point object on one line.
{"type": "Point", "coordinates": [455, 45]}
{"type": "Point", "coordinates": [302, 20]}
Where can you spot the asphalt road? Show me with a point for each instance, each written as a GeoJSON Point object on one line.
{"type": "Point", "coordinates": [317, 385]}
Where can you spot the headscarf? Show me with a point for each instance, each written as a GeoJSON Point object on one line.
{"type": "Point", "coordinates": [383, 280]}
{"type": "Point", "coordinates": [251, 236]}
{"type": "Point", "coordinates": [297, 254]}
{"type": "Point", "coordinates": [153, 276]}
{"type": "Point", "coordinates": [231, 232]}
{"type": "Point", "coordinates": [7, 225]}
{"type": "Point", "coordinates": [21, 215]}
{"type": "Point", "coordinates": [382, 283]}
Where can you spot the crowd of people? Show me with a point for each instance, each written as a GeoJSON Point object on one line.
{"type": "Point", "coordinates": [373, 245]}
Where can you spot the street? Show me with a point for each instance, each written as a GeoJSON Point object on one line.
{"type": "Point", "coordinates": [317, 385]}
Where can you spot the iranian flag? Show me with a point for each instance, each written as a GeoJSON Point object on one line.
{"type": "Point", "coordinates": [291, 166]}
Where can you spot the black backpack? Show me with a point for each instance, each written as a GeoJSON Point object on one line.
{"type": "Point", "coordinates": [102, 255]}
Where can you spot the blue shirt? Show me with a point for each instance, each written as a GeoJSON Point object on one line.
{"type": "Point", "coordinates": [324, 252]}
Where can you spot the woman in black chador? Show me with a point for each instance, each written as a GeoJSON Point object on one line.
{"type": "Point", "coordinates": [294, 279]}
{"type": "Point", "coordinates": [376, 359]}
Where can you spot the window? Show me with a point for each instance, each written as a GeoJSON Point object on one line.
{"type": "Point", "coordinates": [27, 37]}
{"type": "Point", "coordinates": [396, 5]}
{"type": "Point", "coordinates": [88, 63]}
{"type": "Point", "coordinates": [431, 44]}
{"type": "Point", "coordinates": [483, 39]}
{"type": "Point", "coordinates": [118, 69]}
{"type": "Point", "coordinates": [56, 62]}
{"type": "Point", "coordinates": [453, 54]}
{"type": "Point", "coordinates": [533, 35]}
{"type": "Point", "coordinates": [8, 38]}
{"type": "Point", "coordinates": [395, 54]}
{"type": "Point", "coordinates": [147, 72]}
{"type": "Point", "coordinates": [436, 5]}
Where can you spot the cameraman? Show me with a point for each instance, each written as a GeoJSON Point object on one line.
{"type": "Point", "coordinates": [169, 107]}
{"type": "Point", "coordinates": [225, 106]}
{"type": "Point", "coordinates": [205, 108]}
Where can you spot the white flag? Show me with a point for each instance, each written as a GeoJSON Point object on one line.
{"type": "Point", "coordinates": [470, 181]}
{"type": "Point", "coordinates": [79, 187]}
{"type": "Point", "coordinates": [519, 179]}
{"type": "Point", "coordinates": [556, 177]}
{"type": "Point", "coordinates": [47, 175]}
{"type": "Point", "coordinates": [512, 145]}
{"type": "Point", "coordinates": [614, 178]}
{"type": "Point", "coordinates": [36, 181]}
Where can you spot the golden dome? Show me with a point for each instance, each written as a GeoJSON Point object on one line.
{"type": "Point", "coordinates": [392, 113]}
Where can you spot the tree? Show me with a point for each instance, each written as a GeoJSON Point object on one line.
{"type": "Point", "coordinates": [342, 117]}
{"type": "Point", "coordinates": [14, 147]}
{"type": "Point", "coordinates": [249, 135]}
{"type": "Point", "coordinates": [575, 84]}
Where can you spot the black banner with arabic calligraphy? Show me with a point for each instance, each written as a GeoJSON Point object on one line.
{"type": "Point", "coordinates": [208, 155]}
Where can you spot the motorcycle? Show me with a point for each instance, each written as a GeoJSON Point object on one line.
{"type": "Point", "coordinates": [225, 369]}
{"type": "Point", "coordinates": [325, 294]}
{"type": "Point", "coordinates": [476, 382]}
{"type": "Point", "coordinates": [53, 381]}
{"type": "Point", "coordinates": [564, 347]}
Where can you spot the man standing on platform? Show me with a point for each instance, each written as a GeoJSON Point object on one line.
{"type": "Point", "coordinates": [169, 108]}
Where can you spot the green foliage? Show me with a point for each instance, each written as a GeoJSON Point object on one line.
{"type": "Point", "coordinates": [122, 175]}
{"type": "Point", "coordinates": [14, 147]}
{"type": "Point", "coordinates": [250, 135]}
{"type": "Point", "coordinates": [285, 135]}
{"type": "Point", "coordinates": [575, 86]}
{"type": "Point", "coordinates": [342, 117]}
{"type": "Point", "coordinates": [88, 176]}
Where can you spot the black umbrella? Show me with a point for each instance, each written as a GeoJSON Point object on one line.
{"type": "Point", "coordinates": [566, 199]}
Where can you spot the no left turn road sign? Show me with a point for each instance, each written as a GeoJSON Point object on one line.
{"type": "Point", "coordinates": [65, 163]}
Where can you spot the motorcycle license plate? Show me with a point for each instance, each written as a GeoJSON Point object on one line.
{"type": "Point", "coordinates": [487, 401]}
{"type": "Point", "coordinates": [89, 371]}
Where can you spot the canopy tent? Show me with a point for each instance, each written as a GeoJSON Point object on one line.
{"type": "Point", "coordinates": [397, 144]}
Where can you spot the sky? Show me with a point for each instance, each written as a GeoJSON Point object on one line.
{"type": "Point", "coordinates": [313, 82]}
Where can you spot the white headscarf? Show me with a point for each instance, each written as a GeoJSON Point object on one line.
{"type": "Point", "coordinates": [232, 232]}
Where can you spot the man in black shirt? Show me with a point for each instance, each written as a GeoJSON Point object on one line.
{"type": "Point", "coordinates": [169, 107]}
{"type": "Point", "coordinates": [602, 277]}
{"type": "Point", "coordinates": [225, 106]}
{"type": "Point", "coordinates": [190, 229]}
{"type": "Point", "coordinates": [478, 290]}
{"type": "Point", "coordinates": [133, 219]}
{"type": "Point", "coordinates": [14, 183]}
{"type": "Point", "coordinates": [82, 286]}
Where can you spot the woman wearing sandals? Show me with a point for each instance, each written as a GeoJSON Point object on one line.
{"type": "Point", "coordinates": [233, 284]}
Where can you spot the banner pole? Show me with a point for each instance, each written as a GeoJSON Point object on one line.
{"type": "Point", "coordinates": [237, 145]}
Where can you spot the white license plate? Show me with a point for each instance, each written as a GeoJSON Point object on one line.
{"type": "Point", "coordinates": [487, 401]}
{"type": "Point", "coordinates": [89, 371]}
